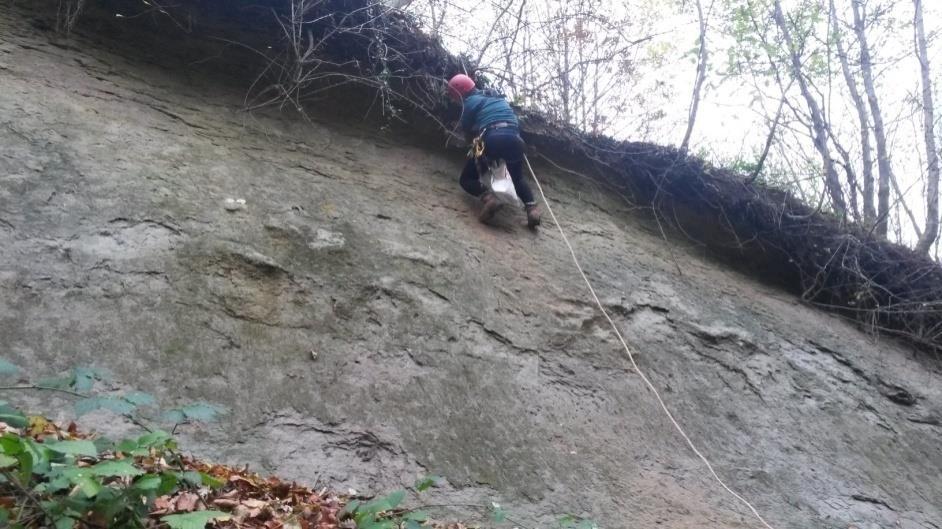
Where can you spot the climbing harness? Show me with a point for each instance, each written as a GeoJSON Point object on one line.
{"type": "Point", "coordinates": [631, 356]}
{"type": "Point", "coordinates": [494, 174]}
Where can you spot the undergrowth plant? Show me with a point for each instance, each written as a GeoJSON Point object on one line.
{"type": "Point", "coordinates": [51, 477]}
{"type": "Point", "coordinates": [60, 478]}
{"type": "Point", "coordinates": [385, 512]}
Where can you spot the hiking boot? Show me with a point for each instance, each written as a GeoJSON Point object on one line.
{"type": "Point", "coordinates": [533, 215]}
{"type": "Point", "coordinates": [490, 206]}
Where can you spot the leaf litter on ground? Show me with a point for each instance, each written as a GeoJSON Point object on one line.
{"type": "Point", "coordinates": [219, 496]}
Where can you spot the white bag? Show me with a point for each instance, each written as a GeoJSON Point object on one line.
{"type": "Point", "coordinates": [502, 185]}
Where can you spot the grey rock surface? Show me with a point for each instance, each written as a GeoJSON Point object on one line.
{"type": "Point", "coordinates": [442, 346]}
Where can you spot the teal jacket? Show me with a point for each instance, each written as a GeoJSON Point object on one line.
{"type": "Point", "coordinates": [483, 108]}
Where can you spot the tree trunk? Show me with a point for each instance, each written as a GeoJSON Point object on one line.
{"type": "Point", "coordinates": [701, 77]}
{"type": "Point", "coordinates": [848, 166]}
{"type": "Point", "coordinates": [863, 116]}
{"type": "Point", "coordinates": [831, 180]}
{"type": "Point", "coordinates": [769, 140]}
{"type": "Point", "coordinates": [879, 132]}
{"type": "Point", "coordinates": [931, 232]}
{"type": "Point", "coordinates": [564, 72]}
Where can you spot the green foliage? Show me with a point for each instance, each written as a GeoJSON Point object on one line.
{"type": "Point", "coordinates": [75, 448]}
{"type": "Point", "coordinates": [498, 515]}
{"type": "Point", "coordinates": [574, 522]}
{"type": "Point", "coordinates": [385, 512]}
{"type": "Point", "coordinates": [65, 483]}
{"type": "Point", "coordinates": [7, 369]}
{"type": "Point", "coordinates": [375, 514]}
{"type": "Point", "coordinates": [80, 379]}
{"type": "Point", "coordinates": [114, 469]}
{"type": "Point", "coordinates": [757, 46]}
{"type": "Point", "coordinates": [12, 416]}
{"type": "Point", "coordinates": [86, 384]}
{"type": "Point", "coordinates": [116, 404]}
{"type": "Point", "coordinates": [144, 444]}
{"type": "Point", "coordinates": [199, 411]}
{"type": "Point", "coordinates": [426, 483]}
{"type": "Point", "coordinates": [193, 520]}
{"type": "Point", "coordinates": [74, 480]}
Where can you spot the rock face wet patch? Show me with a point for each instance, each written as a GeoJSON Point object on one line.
{"type": "Point", "coordinates": [353, 314]}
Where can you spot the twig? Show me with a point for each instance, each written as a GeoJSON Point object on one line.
{"type": "Point", "coordinates": [43, 388]}
{"type": "Point", "coordinates": [485, 508]}
{"type": "Point", "coordinates": [26, 493]}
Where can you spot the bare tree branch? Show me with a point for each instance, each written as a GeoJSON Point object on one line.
{"type": "Point", "coordinates": [702, 61]}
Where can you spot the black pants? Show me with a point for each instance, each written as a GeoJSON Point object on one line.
{"type": "Point", "coordinates": [499, 144]}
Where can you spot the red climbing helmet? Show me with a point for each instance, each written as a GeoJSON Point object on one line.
{"type": "Point", "coordinates": [460, 86]}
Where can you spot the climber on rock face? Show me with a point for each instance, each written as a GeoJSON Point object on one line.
{"type": "Point", "coordinates": [487, 116]}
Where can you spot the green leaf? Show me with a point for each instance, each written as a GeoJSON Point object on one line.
{"type": "Point", "coordinates": [573, 522]}
{"type": "Point", "coordinates": [57, 382]}
{"type": "Point", "coordinates": [168, 483]}
{"type": "Point", "coordinates": [394, 499]}
{"type": "Point", "coordinates": [350, 508]}
{"type": "Point", "coordinates": [148, 483]}
{"type": "Point", "coordinates": [417, 516]}
{"type": "Point", "coordinates": [412, 524]}
{"type": "Point", "coordinates": [57, 482]}
{"type": "Point", "coordinates": [193, 520]}
{"type": "Point", "coordinates": [112, 502]}
{"type": "Point", "coordinates": [103, 444]}
{"type": "Point", "coordinates": [65, 522]}
{"type": "Point", "coordinates": [426, 483]}
{"type": "Point", "coordinates": [40, 455]}
{"type": "Point", "coordinates": [12, 416]}
{"type": "Point", "coordinates": [497, 513]}
{"type": "Point", "coordinates": [191, 478]}
{"type": "Point", "coordinates": [7, 369]}
{"type": "Point", "coordinates": [88, 405]}
{"type": "Point", "coordinates": [115, 404]}
{"type": "Point", "coordinates": [83, 378]}
{"type": "Point", "coordinates": [153, 439]}
{"type": "Point", "coordinates": [198, 479]}
{"type": "Point", "coordinates": [174, 416]}
{"type": "Point", "coordinates": [7, 461]}
{"type": "Point", "coordinates": [201, 411]}
{"type": "Point", "coordinates": [138, 398]}
{"type": "Point", "coordinates": [78, 448]}
{"type": "Point", "coordinates": [129, 446]}
{"type": "Point", "coordinates": [11, 444]}
{"type": "Point", "coordinates": [25, 461]}
{"type": "Point", "coordinates": [116, 468]}
{"type": "Point", "coordinates": [89, 486]}
{"type": "Point", "coordinates": [376, 524]}
{"type": "Point", "coordinates": [210, 481]}
{"type": "Point", "coordinates": [142, 445]}
{"type": "Point", "coordinates": [15, 420]}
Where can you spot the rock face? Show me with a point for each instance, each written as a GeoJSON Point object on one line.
{"type": "Point", "coordinates": [363, 328]}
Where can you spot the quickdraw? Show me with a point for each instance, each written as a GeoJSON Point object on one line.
{"type": "Point", "coordinates": [477, 147]}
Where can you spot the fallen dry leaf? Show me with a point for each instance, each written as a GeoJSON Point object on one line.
{"type": "Point", "coordinates": [186, 502]}
{"type": "Point", "coordinates": [254, 502]}
{"type": "Point", "coordinates": [162, 505]}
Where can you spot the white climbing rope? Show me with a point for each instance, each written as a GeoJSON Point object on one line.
{"type": "Point", "coordinates": [631, 355]}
